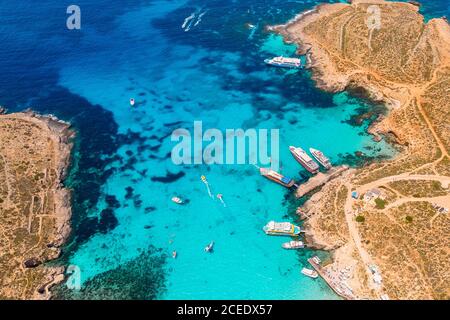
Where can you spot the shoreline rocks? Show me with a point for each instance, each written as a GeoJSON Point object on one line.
{"type": "Point", "coordinates": [58, 134]}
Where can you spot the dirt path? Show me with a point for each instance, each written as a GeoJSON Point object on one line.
{"type": "Point", "coordinates": [355, 237]}
{"type": "Point", "coordinates": [7, 182]}
{"type": "Point", "coordinates": [444, 180]}
{"type": "Point", "coordinates": [442, 201]}
{"type": "Point", "coordinates": [350, 217]}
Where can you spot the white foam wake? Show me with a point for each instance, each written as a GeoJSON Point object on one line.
{"type": "Point", "coordinates": [199, 19]}
{"type": "Point", "coordinates": [186, 21]}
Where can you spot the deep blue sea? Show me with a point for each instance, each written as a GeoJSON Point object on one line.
{"type": "Point", "coordinates": [182, 61]}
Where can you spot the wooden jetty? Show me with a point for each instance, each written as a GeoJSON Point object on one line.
{"type": "Point", "coordinates": [319, 180]}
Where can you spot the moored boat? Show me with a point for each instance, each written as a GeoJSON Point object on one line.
{"type": "Point", "coordinates": [132, 102]}
{"type": "Point", "coordinates": [177, 200]}
{"type": "Point", "coordinates": [306, 161]}
{"type": "Point", "coordinates": [284, 62]}
{"type": "Point", "coordinates": [310, 273]}
{"type": "Point", "coordinates": [209, 247]}
{"type": "Point", "coordinates": [281, 229]}
{"type": "Point", "coordinates": [277, 177]}
{"type": "Point", "coordinates": [321, 158]}
{"type": "Point", "coordinates": [293, 245]}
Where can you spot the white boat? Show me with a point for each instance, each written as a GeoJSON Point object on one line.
{"type": "Point", "coordinates": [281, 229]}
{"type": "Point", "coordinates": [306, 161]}
{"type": "Point", "coordinates": [177, 200]}
{"type": "Point", "coordinates": [132, 102]}
{"type": "Point", "coordinates": [310, 273]}
{"type": "Point", "coordinates": [209, 247]}
{"type": "Point", "coordinates": [321, 158]}
{"type": "Point", "coordinates": [284, 62]}
{"type": "Point", "coordinates": [293, 245]}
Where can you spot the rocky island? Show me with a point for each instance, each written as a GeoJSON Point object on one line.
{"type": "Point", "coordinates": [34, 205]}
{"type": "Point", "coordinates": [386, 224]}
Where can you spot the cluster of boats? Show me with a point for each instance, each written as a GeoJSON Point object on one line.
{"type": "Point", "coordinates": [307, 162]}
{"type": "Point", "coordinates": [288, 229]}
{"type": "Point", "coordinates": [304, 159]}
{"type": "Point", "coordinates": [284, 229]}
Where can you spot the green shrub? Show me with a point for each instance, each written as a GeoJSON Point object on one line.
{"type": "Point", "coordinates": [380, 203]}
{"type": "Point", "coordinates": [360, 219]}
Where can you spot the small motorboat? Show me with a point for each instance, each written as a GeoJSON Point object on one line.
{"type": "Point", "coordinates": [174, 254]}
{"type": "Point", "coordinates": [177, 200]}
{"type": "Point", "coordinates": [293, 245]}
{"type": "Point", "coordinates": [310, 273]}
{"type": "Point", "coordinates": [209, 247]}
{"type": "Point", "coordinates": [132, 102]}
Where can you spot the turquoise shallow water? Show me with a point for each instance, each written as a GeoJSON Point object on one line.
{"type": "Point", "coordinates": [179, 70]}
{"type": "Point", "coordinates": [223, 88]}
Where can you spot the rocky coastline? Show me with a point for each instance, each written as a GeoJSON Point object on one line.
{"type": "Point", "coordinates": [54, 201]}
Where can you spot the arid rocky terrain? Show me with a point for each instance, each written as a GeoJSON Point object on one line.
{"type": "Point", "coordinates": [34, 206]}
{"type": "Point", "coordinates": [385, 223]}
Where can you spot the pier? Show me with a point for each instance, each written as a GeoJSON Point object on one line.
{"type": "Point", "coordinates": [339, 288]}
{"type": "Point", "coordinates": [319, 180]}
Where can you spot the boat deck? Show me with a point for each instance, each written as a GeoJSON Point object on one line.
{"type": "Point", "coordinates": [319, 180]}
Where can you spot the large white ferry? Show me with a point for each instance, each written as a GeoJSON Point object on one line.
{"type": "Point", "coordinates": [281, 229]}
{"type": "Point", "coordinates": [321, 158]}
{"type": "Point", "coordinates": [306, 161]}
{"type": "Point", "coordinates": [284, 62]}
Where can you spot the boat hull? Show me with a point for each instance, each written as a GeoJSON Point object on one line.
{"type": "Point", "coordinates": [304, 164]}
{"type": "Point", "coordinates": [289, 184]}
{"type": "Point", "coordinates": [325, 163]}
{"type": "Point", "coordinates": [284, 234]}
{"type": "Point", "coordinates": [282, 65]}
{"type": "Point", "coordinates": [310, 273]}
{"type": "Point", "coordinates": [295, 233]}
{"type": "Point", "coordinates": [289, 246]}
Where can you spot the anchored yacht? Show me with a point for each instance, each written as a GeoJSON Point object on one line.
{"type": "Point", "coordinates": [284, 62]}
{"type": "Point", "coordinates": [321, 158]}
{"type": "Point", "coordinates": [306, 161]}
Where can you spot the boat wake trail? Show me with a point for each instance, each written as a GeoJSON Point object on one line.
{"type": "Point", "coordinates": [199, 19]}
{"type": "Point", "coordinates": [193, 20]}
{"type": "Point", "coordinates": [187, 20]}
{"type": "Point", "coordinates": [253, 29]}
